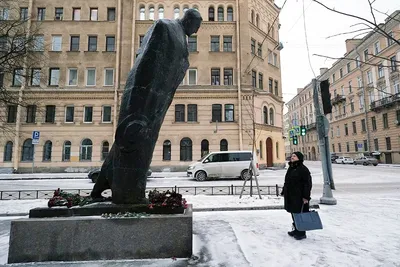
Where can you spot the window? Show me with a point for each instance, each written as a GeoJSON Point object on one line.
{"type": "Point", "coordinates": [398, 116]}
{"type": "Point", "coordinates": [38, 43]}
{"type": "Point", "coordinates": [141, 37]}
{"type": "Point", "coordinates": [366, 54]}
{"type": "Point", "coordinates": [357, 62]}
{"type": "Point", "coordinates": [47, 151]}
{"type": "Point", "coordinates": [192, 43]}
{"type": "Point", "coordinates": [111, 14]}
{"type": "Point", "coordinates": [276, 88]}
{"type": "Point", "coordinates": [192, 76]}
{"type": "Point", "coordinates": [355, 146]}
{"type": "Point", "coordinates": [337, 130]}
{"type": "Point", "coordinates": [380, 71]}
{"type": "Point", "coordinates": [227, 43]}
{"type": "Point", "coordinates": [261, 149]}
{"type": "Point", "coordinates": [167, 150]}
{"type": "Point", "coordinates": [260, 81]}
{"type": "Point", "coordinates": [59, 11]}
{"type": "Point", "coordinates": [185, 8]}
{"type": "Point", "coordinates": [72, 77]}
{"type": "Point", "coordinates": [254, 78]}
{"type": "Point", "coordinates": [341, 73]}
{"type": "Point", "coordinates": [223, 145]}
{"type": "Point", "coordinates": [69, 114]}
{"type": "Point", "coordinates": [252, 16]}
{"type": "Point", "coordinates": [35, 77]}
{"type": "Point", "coordinates": [94, 14]}
{"type": "Point", "coordinates": [106, 114]}
{"type": "Point", "coordinates": [371, 96]}
{"type": "Point", "coordinates": [333, 147]}
{"type": "Point", "coordinates": [92, 44]}
{"type": "Point", "coordinates": [253, 46]}
{"type": "Point", "coordinates": [215, 77]}
{"type": "Point", "coordinates": [186, 149]}
{"type": "Point", "coordinates": [265, 115]}
{"type": "Point", "coordinates": [90, 77]}
{"type": "Point", "coordinates": [270, 81]}
{"type": "Point", "coordinates": [369, 77]}
{"type": "Point", "coordinates": [396, 86]}
{"type": "Point", "coordinates": [216, 113]}
{"type": "Point", "coordinates": [257, 20]}
{"type": "Point", "coordinates": [66, 156]}
{"type": "Point", "coordinates": [161, 12]}
{"type": "Point", "coordinates": [390, 40]}
{"type": "Point", "coordinates": [86, 150]}
{"type": "Point", "coordinates": [176, 12]}
{"type": "Point", "coordinates": [76, 14]}
{"type": "Point", "coordinates": [351, 105]}
{"type": "Point", "coordinates": [204, 148]}
{"type": "Point", "coordinates": [259, 49]}
{"type": "Point", "coordinates": [344, 109]}
{"type": "Point", "coordinates": [8, 151]}
{"type": "Point", "coordinates": [27, 150]}
{"type": "Point", "coordinates": [142, 13]}
{"type": "Point", "coordinates": [88, 114]}
{"type": "Point", "coordinates": [348, 66]}
{"type": "Point", "coordinates": [3, 43]}
{"type": "Point", "coordinates": [17, 77]}
{"type": "Point", "coordinates": [50, 114]}
{"type": "Point", "coordinates": [56, 43]}
{"type": "Point", "coordinates": [179, 113]}
{"type": "Point", "coordinates": [23, 13]}
{"type": "Point", "coordinates": [31, 114]}
{"type": "Point", "coordinates": [220, 14]}
{"type": "Point", "coordinates": [11, 113]}
{"type": "Point", "coordinates": [4, 12]}
{"type": "Point", "coordinates": [105, 149]}
{"type": "Point", "coordinates": [74, 45]}
{"type": "Point", "coordinates": [377, 48]}
{"type": "Point", "coordinates": [108, 77]}
{"type": "Point", "coordinates": [393, 63]}
{"type": "Point", "coordinates": [365, 145]}
{"type": "Point", "coordinates": [340, 147]}
{"type": "Point", "coordinates": [373, 122]}
{"type": "Point", "coordinates": [385, 121]}
{"type": "Point", "coordinates": [350, 87]}
{"type": "Point", "coordinates": [333, 77]}
{"type": "Point", "coordinates": [41, 14]}
{"type": "Point", "coordinates": [229, 112]}
{"type": "Point", "coordinates": [110, 43]}
{"type": "Point", "coordinates": [228, 76]}
{"type": "Point", "coordinates": [214, 43]}
{"type": "Point", "coordinates": [354, 127]}
{"type": "Point", "coordinates": [271, 117]}
{"type": "Point", "coordinates": [54, 78]}
{"type": "Point", "coordinates": [151, 13]}
{"type": "Point", "coordinates": [363, 125]}
{"type": "Point", "coordinates": [347, 147]}
{"type": "Point", "coordinates": [211, 14]}
{"type": "Point", "coordinates": [388, 144]}
{"type": "Point", "coordinates": [376, 144]}
{"type": "Point", "coordinates": [192, 113]}
{"type": "Point", "coordinates": [230, 14]}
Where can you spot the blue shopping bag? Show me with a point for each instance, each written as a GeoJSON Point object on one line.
{"type": "Point", "coordinates": [307, 221]}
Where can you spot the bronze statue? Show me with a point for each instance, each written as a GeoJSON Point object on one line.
{"type": "Point", "coordinates": [160, 66]}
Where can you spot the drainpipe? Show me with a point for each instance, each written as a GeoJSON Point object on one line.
{"type": "Point", "coordinates": [133, 31]}
{"type": "Point", "coordinates": [117, 67]}
{"type": "Point", "coordinates": [239, 73]}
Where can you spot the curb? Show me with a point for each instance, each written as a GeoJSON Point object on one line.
{"type": "Point", "coordinates": [276, 207]}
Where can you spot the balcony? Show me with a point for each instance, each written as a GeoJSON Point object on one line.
{"type": "Point", "coordinates": [338, 99]}
{"type": "Point", "coordinates": [385, 102]}
{"type": "Point", "coordinates": [311, 126]}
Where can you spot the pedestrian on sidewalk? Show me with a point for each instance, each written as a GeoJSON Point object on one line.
{"type": "Point", "coordinates": [297, 190]}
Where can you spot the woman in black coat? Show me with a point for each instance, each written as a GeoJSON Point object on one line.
{"type": "Point", "coordinates": [297, 190]}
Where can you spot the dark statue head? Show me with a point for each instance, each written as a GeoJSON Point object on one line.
{"type": "Point", "coordinates": [191, 21]}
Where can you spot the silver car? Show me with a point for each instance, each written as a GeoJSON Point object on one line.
{"type": "Point", "coordinates": [366, 161]}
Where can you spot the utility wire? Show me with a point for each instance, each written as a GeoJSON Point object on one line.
{"type": "Point", "coordinates": [306, 38]}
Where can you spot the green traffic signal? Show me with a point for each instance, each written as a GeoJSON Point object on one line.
{"type": "Point", "coordinates": [303, 130]}
{"type": "Point", "coordinates": [295, 141]}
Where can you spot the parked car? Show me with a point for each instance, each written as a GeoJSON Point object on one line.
{"type": "Point", "coordinates": [94, 174]}
{"type": "Point", "coordinates": [366, 161]}
{"type": "Point", "coordinates": [223, 164]}
{"type": "Point", "coordinates": [334, 157]}
{"type": "Point", "coordinates": [344, 160]}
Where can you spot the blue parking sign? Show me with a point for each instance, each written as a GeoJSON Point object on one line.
{"type": "Point", "coordinates": [35, 137]}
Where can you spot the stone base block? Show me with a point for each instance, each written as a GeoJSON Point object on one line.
{"type": "Point", "coordinates": [96, 238]}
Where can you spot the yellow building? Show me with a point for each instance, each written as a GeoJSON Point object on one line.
{"type": "Point", "coordinates": [90, 47]}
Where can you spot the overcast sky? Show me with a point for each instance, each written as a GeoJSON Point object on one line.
{"type": "Point", "coordinates": [320, 23]}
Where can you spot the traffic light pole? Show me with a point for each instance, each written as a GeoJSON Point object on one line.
{"type": "Point", "coordinates": [323, 130]}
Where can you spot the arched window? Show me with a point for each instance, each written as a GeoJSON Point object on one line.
{"type": "Point", "coordinates": [86, 150]}
{"type": "Point", "coordinates": [151, 13]}
{"type": "Point", "coordinates": [204, 147]}
{"type": "Point", "coordinates": [166, 150]}
{"type": "Point", "coordinates": [257, 20]}
{"type": "Point", "coordinates": [223, 145]}
{"type": "Point", "coordinates": [211, 14]}
{"type": "Point", "coordinates": [261, 149]}
{"type": "Point", "coordinates": [252, 16]}
{"type": "Point", "coordinates": [269, 30]}
{"type": "Point", "coordinates": [185, 8]}
{"type": "Point", "coordinates": [265, 113]}
{"type": "Point", "coordinates": [142, 13]}
{"type": "Point", "coordinates": [104, 150]}
{"type": "Point", "coordinates": [8, 150]}
{"type": "Point", "coordinates": [176, 12]}
{"type": "Point", "coordinates": [271, 116]}
{"type": "Point", "coordinates": [230, 14]}
{"type": "Point", "coordinates": [66, 156]}
{"type": "Point", "coordinates": [277, 150]}
{"type": "Point", "coordinates": [47, 150]}
{"type": "Point", "coordinates": [220, 14]}
{"type": "Point", "coordinates": [160, 12]}
{"type": "Point", "coordinates": [196, 8]}
{"type": "Point", "coordinates": [186, 149]}
{"type": "Point", "coordinates": [27, 150]}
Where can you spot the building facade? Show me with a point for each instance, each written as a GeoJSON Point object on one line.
{"type": "Point", "coordinates": [233, 84]}
{"type": "Point", "coordinates": [365, 89]}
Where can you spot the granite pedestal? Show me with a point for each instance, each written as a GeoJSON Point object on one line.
{"type": "Point", "coordinates": [83, 238]}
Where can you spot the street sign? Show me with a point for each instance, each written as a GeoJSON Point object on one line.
{"type": "Point", "coordinates": [35, 137]}
{"type": "Point", "coordinates": [359, 145]}
{"type": "Point", "coordinates": [297, 130]}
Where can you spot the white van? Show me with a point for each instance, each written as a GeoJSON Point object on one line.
{"type": "Point", "coordinates": [223, 164]}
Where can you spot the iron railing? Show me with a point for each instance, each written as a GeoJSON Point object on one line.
{"type": "Point", "coordinates": [273, 190]}
{"type": "Point", "coordinates": [385, 102]}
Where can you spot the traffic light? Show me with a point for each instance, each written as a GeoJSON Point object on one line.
{"type": "Point", "coordinates": [295, 141]}
{"type": "Point", "coordinates": [303, 130]}
{"type": "Point", "coordinates": [326, 97]}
